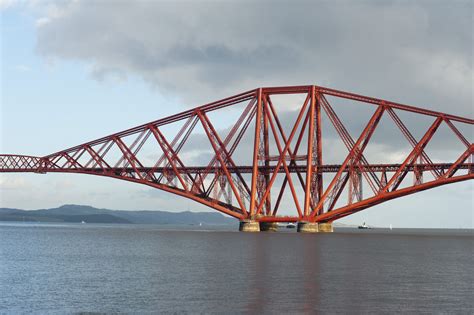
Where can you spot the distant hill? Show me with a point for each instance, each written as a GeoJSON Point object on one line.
{"type": "Point", "coordinates": [78, 213]}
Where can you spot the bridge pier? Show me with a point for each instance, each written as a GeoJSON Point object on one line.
{"type": "Point", "coordinates": [312, 227]}
{"type": "Point", "coordinates": [249, 226]}
{"type": "Point", "coordinates": [307, 227]}
{"type": "Point", "coordinates": [325, 227]}
{"type": "Point", "coordinates": [269, 226]}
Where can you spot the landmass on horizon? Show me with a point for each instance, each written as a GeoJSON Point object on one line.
{"type": "Point", "coordinates": [80, 213]}
{"type": "Point", "coordinates": [71, 213]}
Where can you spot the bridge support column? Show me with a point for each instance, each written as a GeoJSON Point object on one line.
{"type": "Point", "coordinates": [325, 227]}
{"type": "Point", "coordinates": [269, 226]}
{"type": "Point", "coordinates": [307, 227]}
{"type": "Point", "coordinates": [249, 226]}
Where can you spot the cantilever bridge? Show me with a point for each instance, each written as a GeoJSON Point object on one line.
{"type": "Point", "coordinates": [280, 162]}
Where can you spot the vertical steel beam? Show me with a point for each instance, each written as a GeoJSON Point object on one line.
{"type": "Point", "coordinates": [319, 150]}
{"type": "Point", "coordinates": [266, 172]}
{"type": "Point", "coordinates": [309, 154]}
{"type": "Point", "coordinates": [253, 186]}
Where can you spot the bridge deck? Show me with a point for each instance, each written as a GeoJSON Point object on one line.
{"type": "Point", "coordinates": [331, 168]}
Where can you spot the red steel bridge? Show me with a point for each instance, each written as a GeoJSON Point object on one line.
{"type": "Point", "coordinates": [280, 162]}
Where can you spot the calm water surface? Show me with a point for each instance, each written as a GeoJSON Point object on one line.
{"type": "Point", "coordinates": [47, 268]}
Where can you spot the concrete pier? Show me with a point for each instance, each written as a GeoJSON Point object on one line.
{"type": "Point", "coordinates": [269, 226]}
{"type": "Point", "coordinates": [249, 226]}
{"type": "Point", "coordinates": [307, 227]}
{"type": "Point", "coordinates": [325, 227]}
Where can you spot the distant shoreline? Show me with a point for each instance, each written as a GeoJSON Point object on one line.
{"type": "Point", "coordinates": [88, 214]}
{"type": "Point", "coordinates": [80, 213]}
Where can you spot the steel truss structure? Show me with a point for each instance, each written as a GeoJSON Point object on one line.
{"type": "Point", "coordinates": [253, 191]}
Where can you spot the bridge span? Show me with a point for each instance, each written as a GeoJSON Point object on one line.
{"type": "Point", "coordinates": [259, 165]}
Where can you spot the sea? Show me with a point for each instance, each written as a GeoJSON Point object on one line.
{"type": "Point", "coordinates": [147, 269]}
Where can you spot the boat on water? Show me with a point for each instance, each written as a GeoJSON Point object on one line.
{"type": "Point", "coordinates": [364, 227]}
{"type": "Point", "coordinates": [291, 226]}
{"type": "Point", "coordinates": [83, 222]}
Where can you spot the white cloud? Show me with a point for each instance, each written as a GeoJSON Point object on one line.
{"type": "Point", "coordinates": [22, 68]}
{"type": "Point", "coordinates": [42, 21]}
{"type": "Point", "coordinates": [13, 183]}
{"type": "Point", "coordinates": [65, 184]}
{"type": "Point", "coordinates": [5, 4]}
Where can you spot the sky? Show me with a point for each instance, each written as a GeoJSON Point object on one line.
{"type": "Point", "coordinates": [73, 71]}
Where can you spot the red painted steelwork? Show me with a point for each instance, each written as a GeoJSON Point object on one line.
{"type": "Point", "coordinates": [248, 191]}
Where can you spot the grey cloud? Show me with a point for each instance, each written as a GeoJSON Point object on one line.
{"type": "Point", "coordinates": [418, 53]}
{"type": "Point", "coordinates": [412, 52]}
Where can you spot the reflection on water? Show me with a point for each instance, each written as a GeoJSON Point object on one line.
{"type": "Point", "coordinates": [134, 268]}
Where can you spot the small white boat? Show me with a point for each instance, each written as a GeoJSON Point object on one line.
{"type": "Point", "coordinates": [83, 222]}
{"type": "Point", "coordinates": [290, 225]}
{"type": "Point", "coordinates": [364, 227]}
{"type": "Point", "coordinates": [390, 227]}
